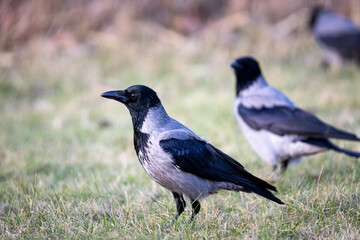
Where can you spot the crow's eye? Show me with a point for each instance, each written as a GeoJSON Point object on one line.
{"type": "Point", "coordinates": [133, 96]}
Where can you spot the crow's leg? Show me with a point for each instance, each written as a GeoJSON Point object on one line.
{"type": "Point", "coordinates": [180, 205]}
{"type": "Point", "coordinates": [274, 167]}
{"type": "Point", "coordinates": [195, 207]}
{"type": "Point", "coordinates": [325, 65]}
{"type": "Point", "coordinates": [284, 165]}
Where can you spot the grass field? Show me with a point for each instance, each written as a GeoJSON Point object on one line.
{"type": "Point", "coordinates": [67, 164]}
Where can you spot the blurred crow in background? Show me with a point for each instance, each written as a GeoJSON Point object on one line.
{"type": "Point", "coordinates": [337, 36]}
{"type": "Point", "coordinates": [178, 159]}
{"type": "Point", "coordinates": [277, 130]}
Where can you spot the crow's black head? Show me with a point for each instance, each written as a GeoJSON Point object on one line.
{"type": "Point", "coordinates": [315, 12]}
{"type": "Point", "coordinates": [247, 70]}
{"type": "Point", "coordinates": [135, 98]}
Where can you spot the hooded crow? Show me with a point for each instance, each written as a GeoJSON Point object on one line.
{"type": "Point", "coordinates": [277, 130]}
{"type": "Point", "coordinates": [179, 160]}
{"type": "Point", "coordinates": [337, 36]}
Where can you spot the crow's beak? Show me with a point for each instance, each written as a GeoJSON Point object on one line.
{"type": "Point", "coordinates": [236, 65]}
{"type": "Point", "coordinates": [119, 95]}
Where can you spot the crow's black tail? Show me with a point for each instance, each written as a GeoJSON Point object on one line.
{"type": "Point", "coordinates": [264, 193]}
{"type": "Point", "coordinates": [256, 185]}
{"type": "Point", "coordinates": [238, 175]}
{"type": "Point", "coordinates": [327, 144]}
{"type": "Point", "coordinates": [346, 151]}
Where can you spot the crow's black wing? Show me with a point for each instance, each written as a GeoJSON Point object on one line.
{"type": "Point", "coordinates": [283, 120]}
{"type": "Point", "coordinates": [205, 161]}
{"type": "Point", "coordinates": [346, 44]}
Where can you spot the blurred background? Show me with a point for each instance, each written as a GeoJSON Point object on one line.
{"type": "Point", "coordinates": [80, 20]}
{"type": "Point", "coordinates": [82, 26]}
{"type": "Point", "coordinates": [58, 56]}
{"type": "Point", "coordinates": [60, 140]}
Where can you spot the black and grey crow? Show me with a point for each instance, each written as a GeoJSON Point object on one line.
{"type": "Point", "coordinates": [178, 159]}
{"type": "Point", "coordinates": [337, 36]}
{"type": "Point", "coordinates": [277, 130]}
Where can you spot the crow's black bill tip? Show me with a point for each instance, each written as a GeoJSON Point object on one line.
{"type": "Point", "coordinates": [108, 94]}
{"type": "Point", "coordinates": [116, 95]}
{"type": "Point", "coordinates": [235, 64]}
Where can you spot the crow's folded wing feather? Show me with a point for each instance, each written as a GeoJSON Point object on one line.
{"type": "Point", "coordinates": [284, 120]}
{"type": "Point", "coordinates": [204, 160]}
{"type": "Point", "coordinates": [347, 44]}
